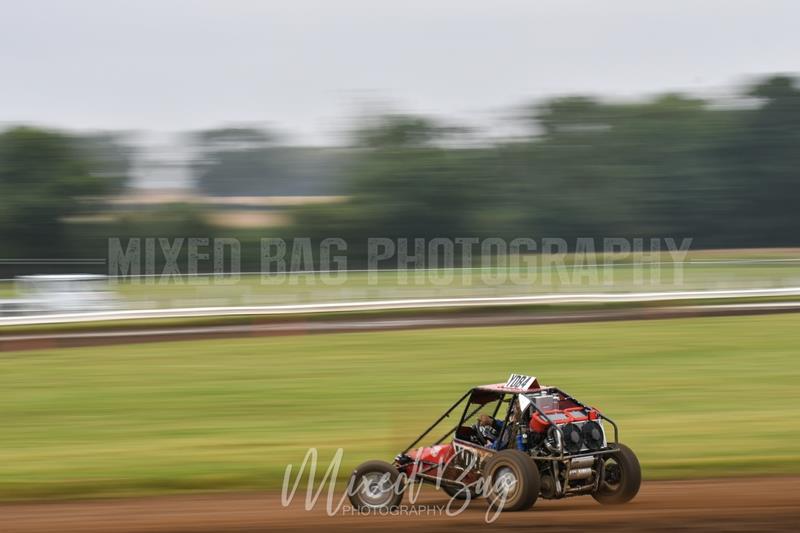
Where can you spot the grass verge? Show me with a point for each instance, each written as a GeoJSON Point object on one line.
{"type": "Point", "coordinates": [694, 397]}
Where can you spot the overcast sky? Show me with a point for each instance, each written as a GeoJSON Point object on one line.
{"type": "Point", "coordinates": [306, 66]}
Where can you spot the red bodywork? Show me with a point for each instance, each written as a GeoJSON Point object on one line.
{"type": "Point", "coordinates": [446, 461]}
{"type": "Point", "coordinates": [440, 454]}
{"type": "Point", "coordinates": [570, 415]}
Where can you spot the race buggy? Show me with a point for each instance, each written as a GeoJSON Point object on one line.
{"type": "Point", "coordinates": [514, 442]}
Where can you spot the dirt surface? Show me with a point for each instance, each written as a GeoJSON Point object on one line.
{"type": "Point", "coordinates": [746, 504]}
{"type": "Point", "coordinates": [345, 324]}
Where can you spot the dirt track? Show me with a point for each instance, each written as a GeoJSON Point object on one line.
{"type": "Point", "coordinates": [754, 504]}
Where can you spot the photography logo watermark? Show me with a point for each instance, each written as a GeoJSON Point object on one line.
{"type": "Point", "coordinates": [383, 488]}
{"type": "Point", "coordinates": [402, 261]}
{"type": "Point", "coordinates": [434, 509]}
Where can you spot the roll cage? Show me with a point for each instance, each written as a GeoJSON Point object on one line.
{"type": "Point", "coordinates": [480, 396]}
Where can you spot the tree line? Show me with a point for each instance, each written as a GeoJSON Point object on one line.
{"type": "Point", "coordinates": [725, 173]}
{"type": "Point", "coordinates": [722, 172]}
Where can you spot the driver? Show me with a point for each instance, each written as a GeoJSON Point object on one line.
{"type": "Point", "coordinates": [489, 428]}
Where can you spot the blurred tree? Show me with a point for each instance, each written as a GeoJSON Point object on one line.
{"type": "Point", "coordinates": [250, 162]}
{"type": "Point", "coordinates": [43, 176]}
{"type": "Point", "coordinates": [399, 131]}
{"type": "Point", "coordinates": [767, 155]}
{"type": "Point", "coordinates": [593, 168]}
{"type": "Point", "coordinates": [405, 182]}
{"type": "Point", "coordinates": [109, 156]}
{"type": "Point", "coordinates": [673, 165]}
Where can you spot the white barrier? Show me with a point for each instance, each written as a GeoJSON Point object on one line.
{"type": "Point", "coordinates": [416, 303]}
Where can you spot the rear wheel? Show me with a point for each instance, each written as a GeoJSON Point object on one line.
{"type": "Point", "coordinates": [512, 481]}
{"type": "Point", "coordinates": [621, 477]}
{"type": "Point", "coordinates": [375, 485]}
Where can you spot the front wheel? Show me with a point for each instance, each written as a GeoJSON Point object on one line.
{"type": "Point", "coordinates": [621, 477]}
{"type": "Point", "coordinates": [512, 481]}
{"type": "Point", "coordinates": [375, 485]}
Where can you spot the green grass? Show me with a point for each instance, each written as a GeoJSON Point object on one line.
{"type": "Point", "coordinates": [693, 397]}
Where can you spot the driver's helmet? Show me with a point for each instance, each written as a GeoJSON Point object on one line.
{"type": "Point", "coordinates": [488, 432]}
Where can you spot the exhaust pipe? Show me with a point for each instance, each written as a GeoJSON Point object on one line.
{"type": "Point", "coordinates": [580, 468]}
{"type": "Point", "coordinates": [582, 462]}
{"type": "Point", "coordinates": [580, 473]}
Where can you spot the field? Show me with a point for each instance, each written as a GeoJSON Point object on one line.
{"type": "Point", "coordinates": [694, 398]}
{"type": "Point", "coordinates": [301, 288]}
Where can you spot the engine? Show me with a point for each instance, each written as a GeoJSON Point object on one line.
{"type": "Point", "coordinates": [580, 428]}
{"type": "Point", "coordinates": [560, 425]}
